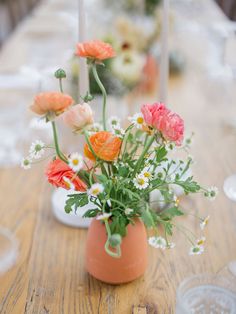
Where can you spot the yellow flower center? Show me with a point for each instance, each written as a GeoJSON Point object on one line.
{"type": "Point", "coordinates": [147, 174]}
{"type": "Point", "coordinates": [140, 120]}
{"type": "Point", "coordinates": [200, 242]}
{"type": "Point", "coordinates": [141, 181]}
{"type": "Point", "coordinates": [75, 162]}
{"type": "Point", "coordinates": [67, 184]}
{"type": "Point", "coordinates": [95, 191]}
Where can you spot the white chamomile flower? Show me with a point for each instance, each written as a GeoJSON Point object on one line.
{"type": "Point", "coordinates": [137, 120]}
{"type": "Point", "coordinates": [118, 131]}
{"type": "Point", "coordinates": [211, 193]}
{"type": "Point", "coordinates": [69, 185]}
{"type": "Point", "coordinates": [26, 163]}
{"type": "Point", "coordinates": [157, 242]}
{"type": "Point", "coordinates": [37, 149]}
{"type": "Point", "coordinates": [196, 250]}
{"type": "Point", "coordinates": [204, 222]}
{"type": "Point", "coordinates": [96, 127]}
{"type": "Point", "coordinates": [170, 245]}
{"type": "Point", "coordinates": [104, 216]}
{"type": "Point", "coordinates": [188, 141]}
{"type": "Point", "coordinates": [114, 122]}
{"type": "Point", "coordinates": [146, 173]}
{"type": "Point", "coordinates": [76, 162]}
{"type": "Point", "coordinates": [140, 182]}
{"type": "Point", "coordinates": [201, 241]}
{"type": "Point", "coordinates": [128, 211]}
{"type": "Point", "coordinates": [96, 189]}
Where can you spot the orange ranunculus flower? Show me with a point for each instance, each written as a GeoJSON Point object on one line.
{"type": "Point", "coordinates": [95, 49]}
{"type": "Point", "coordinates": [51, 101]}
{"type": "Point", "coordinates": [105, 145]}
{"type": "Point", "coordinates": [58, 174]}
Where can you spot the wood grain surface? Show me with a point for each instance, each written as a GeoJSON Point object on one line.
{"type": "Point", "coordinates": [49, 276]}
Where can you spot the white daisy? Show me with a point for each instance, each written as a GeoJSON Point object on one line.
{"type": "Point", "coordinates": [96, 127]}
{"type": "Point", "coordinates": [104, 216]}
{"type": "Point", "coordinates": [68, 183]}
{"type": "Point", "coordinates": [137, 120]}
{"type": "Point", "coordinates": [118, 131]}
{"type": "Point", "coordinates": [157, 242]}
{"type": "Point", "coordinates": [114, 121]}
{"type": "Point", "coordinates": [201, 241]}
{"type": "Point", "coordinates": [37, 149]}
{"type": "Point", "coordinates": [76, 162]}
{"type": "Point", "coordinates": [26, 163]}
{"type": "Point", "coordinates": [128, 211]}
{"type": "Point", "coordinates": [140, 182]}
{"type": "Point", "coordinates": [146, 173]}
{"type": "Point", "coordinates": [95, 189]}
{"type": "Point", "coordinates": [211, 193]}
{"type": "Point", "coordinates": [204, 222]}
{"type": "Point", "coordinates": [196, 250]}
{"type": "Point", "coordinates": [170, 245]}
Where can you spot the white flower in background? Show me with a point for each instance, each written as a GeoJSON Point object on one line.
{"type": "Point", "coordinates": [37, 149]}
{"type": "Point", "coordinates": [196, 250]}
{"type": "Point", "coordinates": [140, 182]}
{"type": "Point", "coordinates": [204, 222]}
{"type": "Point", "coordinates": [201, 241]}
{"type": "Point", "coordinates": [96, 127]}
{"type": "Point", "coordinates": [128, 211]}
{"type": "Point", "coordinates": [211, 193]}
{"type": "Point", "coordinates": [137, 119]}
{"type": "Point", "coordinates": [118, 131]}
{"type": "Point", "coordinates": [26, 163]}
{"type": "Point", "coordinates": [157, 242]}
{"type": "Point", "coordinates": [96, 189]}
{"type": "Point", "coordinates": [104, 216]}
{"type": "Point", "coordinates": [114, 121]}
{"type": "Point", "coordinates": [146, 173]}
{"type": "Point", "coordinates": [170, 245]}
{"type": "Point", "coordinates": [76, 162]}
{"type": "Point", "coordinates": [128, 67]}
{"type": "Point", "coordinates": [68, 183]}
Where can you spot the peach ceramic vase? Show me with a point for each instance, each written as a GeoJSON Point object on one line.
{"type": "Point", "coordinates": [133, 261]}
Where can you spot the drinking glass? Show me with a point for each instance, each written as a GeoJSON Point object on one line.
{"type": "Point", "coordinates": [8, 250]}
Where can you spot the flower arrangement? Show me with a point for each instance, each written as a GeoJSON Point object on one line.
{"type": "Point", "coordinates": [119, 167]}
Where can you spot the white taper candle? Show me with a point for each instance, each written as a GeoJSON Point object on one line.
{"type": "Point", "coordinates": [164, 68]}
{"type": "Point", "coordinates": [83, 68]}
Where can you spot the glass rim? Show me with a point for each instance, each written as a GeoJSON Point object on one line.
{"type": "Point", "coordinates": [220, 278]}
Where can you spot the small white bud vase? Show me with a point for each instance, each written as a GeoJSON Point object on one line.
{"type": "Point", "coordinates": [73, 219]}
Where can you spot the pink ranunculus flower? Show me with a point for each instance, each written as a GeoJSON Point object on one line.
{"type": "Point", "coordinates": [170, 124]}
{"type": "Point", "coordinates": [95, 49]}
{"type": "Point", "coordinates": [51, 101]}
{"type": "Point", "coordinates": [172, 128]}
{"type": "Point", "coordinates": [153, 113]}
{"type": "Point", "coordinates": [79, 116]}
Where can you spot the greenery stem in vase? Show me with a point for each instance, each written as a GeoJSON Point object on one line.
{"type": "Point", "coordinates": [104, 94]}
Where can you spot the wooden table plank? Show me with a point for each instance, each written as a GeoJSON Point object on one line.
{"type": "Point", "coordinates": [49, 276]}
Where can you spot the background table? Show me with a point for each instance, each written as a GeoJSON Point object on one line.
{"type": "Point", "coordinates": [49, 276]}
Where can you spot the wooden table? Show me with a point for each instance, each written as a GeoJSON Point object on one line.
{"type": "Point", "coordinates": [49, 276]}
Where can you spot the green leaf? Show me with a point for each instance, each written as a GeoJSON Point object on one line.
{"type": "Point", "coordinates": [188, 185]}
{"type": "Point", "coordinates": [102, 178]}
{"type": "Point", "coordinates": [168, 228]}
{"type": "Point", "coordinates": [118, 225]}
{"type": "Point", "coordinates": [91, 213]}
{"type": "Point", "coordinates": [148, 218]}
{"type": "Point", "coordinates": [123, 171]}
{"type": "Point", "coordinates": [172, 212]}
{"type": "Point", "coordinates": [161, 152]}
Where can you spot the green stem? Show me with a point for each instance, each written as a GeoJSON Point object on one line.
{"type": "Point", "coordinates": [116, 254]}
{"type": "Point", "coordinates": [146, 148]}
{"type": "Point", "coordinates": [104, 94]}
{"type": "Point", "coordinates": [60, 84]}
{"type": "Point", "coordinates": [89, 144]}
{"type": "Point", "coordinates": [59, 154]}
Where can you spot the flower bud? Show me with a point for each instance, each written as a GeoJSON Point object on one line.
{"type": "Point", "coordinates": [60, 73]}
{"type": "Point", "coordinates": [115, 240]}
{"type": "Point", "coordinates": [88, 97]}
